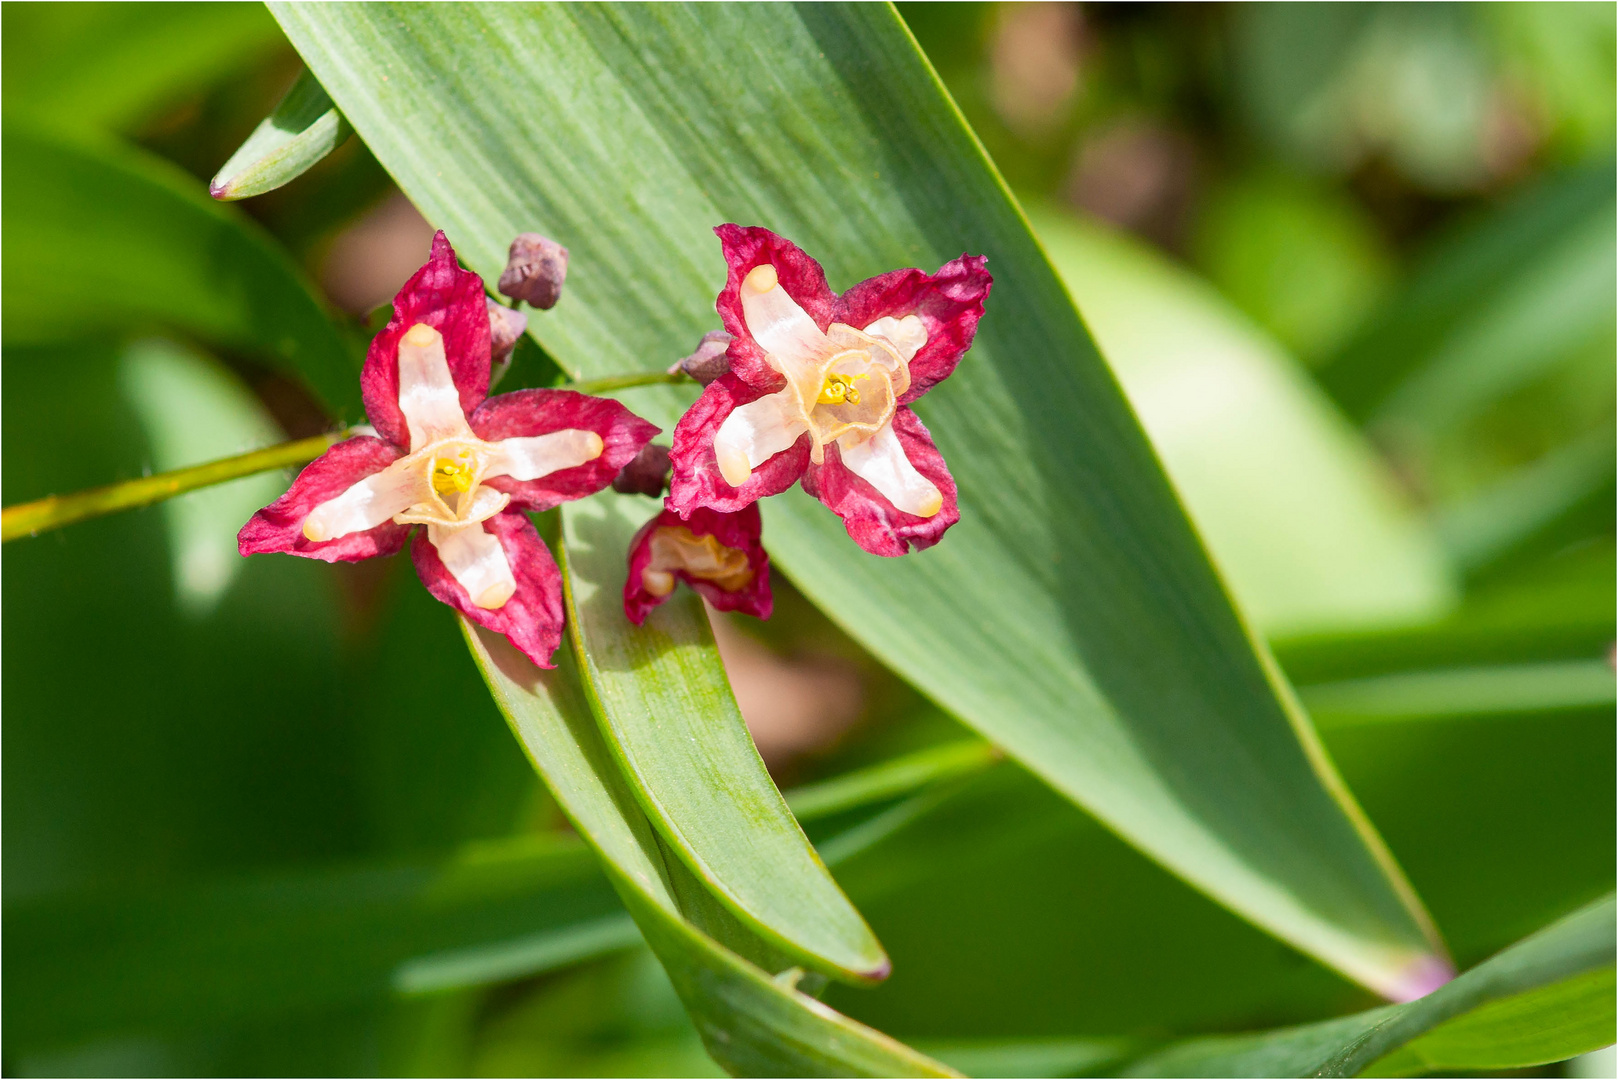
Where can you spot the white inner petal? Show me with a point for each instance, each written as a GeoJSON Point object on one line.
{"type": "Point", "coordinates": [476, 560]}
{"type": "Point", "coordinates": [906, 335]}
{"type": "Point", "coordinates": [531, 457]}
{"type": "Point", "coordinates": [779, 325]}
{"type": "Point", "coordinates": [368, 503]}
{"type": "Point", "coordinates": [427, 394]}
{"type": "Point", "coordinates": [881, 462]}
{"type": "Point", "coordinates": [755, 432]}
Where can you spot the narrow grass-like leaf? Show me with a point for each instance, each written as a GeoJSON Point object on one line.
{"type": "Point", "coordinates": [180, 261]}
{"type": "Point", "coordinates": [751, 1023]}
{"type": "Point", "coordinates": [1072, 616]}
{"type": "Point", "coordinates": [302, 130]}
{"type": "Point", "coordinates": [1567, 956]}
{"type": "Point", "coordinates": [667, 712]}
{"type": "Point", "coordinates": [1481, 691]}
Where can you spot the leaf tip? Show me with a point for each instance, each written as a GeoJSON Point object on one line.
{"type": "Point", "coordinates": [1420, 977]}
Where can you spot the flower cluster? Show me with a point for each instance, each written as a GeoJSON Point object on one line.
{"type": "Point", "coordinates": [466, 467]}
{"type": "Point", "coordinates": [803, 385]}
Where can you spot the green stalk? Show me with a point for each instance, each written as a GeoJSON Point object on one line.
{"type": "Point", "coordinates": [54, 511]}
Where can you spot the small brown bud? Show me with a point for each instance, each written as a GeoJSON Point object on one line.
{"type": "Point", "coordinates": [535, 270]}
{"type": "Point", "coordinates": [709, 361]}
{"type": "Point", "coordinates": [647, 474]}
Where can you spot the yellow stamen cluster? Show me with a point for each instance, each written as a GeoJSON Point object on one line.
{"type": "Point", "coordinates": [840, 390]}
{"type": "Point", "coordinates": [450, 478]}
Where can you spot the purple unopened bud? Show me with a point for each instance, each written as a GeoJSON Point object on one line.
{"type": "Point", "coordinates": [506, 325]}
{"type": "Point", "coordinates": [535, 270]}
{"type": "Point", "coordinates": [709, 361]}
{"type": "Point", "coordinates": [646, 474]}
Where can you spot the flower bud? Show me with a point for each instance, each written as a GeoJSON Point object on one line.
{"type": "Point", "coordinates": [709, 361]}
{"type": "Point", "coordinates": [646, 474]}
{"type": "Point", "coordinates": [506, 325]}
{"type": "Point", "coordinates": [535, 269]}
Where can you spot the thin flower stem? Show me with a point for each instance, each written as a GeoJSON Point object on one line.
{"type": "Point", "coordinates": [54, 511]}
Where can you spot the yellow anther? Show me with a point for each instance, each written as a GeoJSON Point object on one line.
{"type": "Point", "coordinates": [839, 390]}
{"type": "Point", "coordinates": [450, 478]}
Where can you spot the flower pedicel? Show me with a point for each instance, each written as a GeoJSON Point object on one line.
{"type": "Point", "coordinates": [465, 466]}
{"type": "Point", "coordinates": [819, 389]}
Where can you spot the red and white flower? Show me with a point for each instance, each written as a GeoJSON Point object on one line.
{"type": "Point", "coordinates": [721, 556]}
{"type": "Point", "coordinates": [819, 389]}
{"type": "Point", "coordinates": [464, 466]}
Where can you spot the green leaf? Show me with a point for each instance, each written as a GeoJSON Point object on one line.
{"type": "Point", "coordinates": [102, 239]}
{"type": "Point", "coordinates": [194, 411]}
{"type": "Point", "coordinates": [1294, 505]}
{"type": "Point", "coordinates": [1072, 617]}
{"type": "Point", "coordinates": [1493, 302]}
{"type": "Point", "coordinates": [1565, 963]}
{"type": "Point", "coordinates": [1480, 691]}
{"type": "Point", "coordinates": [1536, 1027]}
{"type": "Point", "coordinates": [667, 713]}
{"type": "Point", "coordinates": [302, 130]}
{"type": "Point", "coordinates": [751, 1023]}
{"type": "Point", "coordinates": [113, 65]}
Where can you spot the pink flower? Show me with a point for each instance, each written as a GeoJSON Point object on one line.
{"type": "Point", "coordinates": [718, 555]}
{"type": "Point", "coordinates": [819, 390]}
{"type": "Point", "coordinates": [450, 458]}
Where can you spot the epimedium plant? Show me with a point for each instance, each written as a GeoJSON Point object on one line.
{"type": "Point", "coordinates": [1070, 615]}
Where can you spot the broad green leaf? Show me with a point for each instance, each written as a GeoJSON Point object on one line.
{"type": "Point", "coordinates": [667, 713]}
{"type": "Point", "coordinates": [1561, 960]}
{"type": "Point", "coordinates": [1291, 501]}
{"type": "Point", "coordinates": [752, 1023]}
{"type": "Point", "coordinates": [114, 65]}
{"type": "Point", "coordinates": [991, 898]}
{"type": "Point", "coordinates": [1519, 688]}
{"type": "Point", "coordinates": [74, 209]}
{"type": "Point", "coordinates": [1072, 616]}
{"type": "Point", "coordinates": [1031, 1057]}
{"type": "Point", "coordinates": [194, 411]}
{"type": "Point", "coordinates": [302, 130]}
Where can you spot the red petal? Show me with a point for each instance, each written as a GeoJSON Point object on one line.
{"type": "Point", "coordinates": [538, 412]}
{"type": "Point", "coordinates": [741, 531]}
{"type": "Point", "coordinates": [876, 524]}
{"type": "Point", "coordinates": [799, 275]}
{"type": "Point", "coordinates": [451, 301]}
{"type": "Point", "coordinates": [696, 480]}
{"type": "Point", "coordinates": [279, 526]}
{"type": "Point", "coordinates": [949, 303]}
{"type": "Point", "coordinates": [532, 618]}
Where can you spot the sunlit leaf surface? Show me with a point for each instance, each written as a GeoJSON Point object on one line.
{"type": "Point", "coordinates": [1072, 616]}
{"type": "Point", "coordinates": [667, 713]}
{"type": "Point", "coordinates": [752, 1023]}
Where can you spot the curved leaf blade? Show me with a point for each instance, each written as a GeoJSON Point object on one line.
{"type": "Point", "coordinates": [666, 711]}
{"type": "Point", "coordinates": [302, 130]}
{"type": "Point", "coordinates": [1072, 616]}
{"type": "Point", "coordinates": [752, 1024]}
{"type": "Point", "coordinates": [107, 239]}
{"type": "Point", "coordinates": [1566, 952]}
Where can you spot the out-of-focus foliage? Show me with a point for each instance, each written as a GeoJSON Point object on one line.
{"type": "Point", "coordinates": [263, 817]}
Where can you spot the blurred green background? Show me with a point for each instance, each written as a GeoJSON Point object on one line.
{"type": "Point", "coordinates": [1354, 265]}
